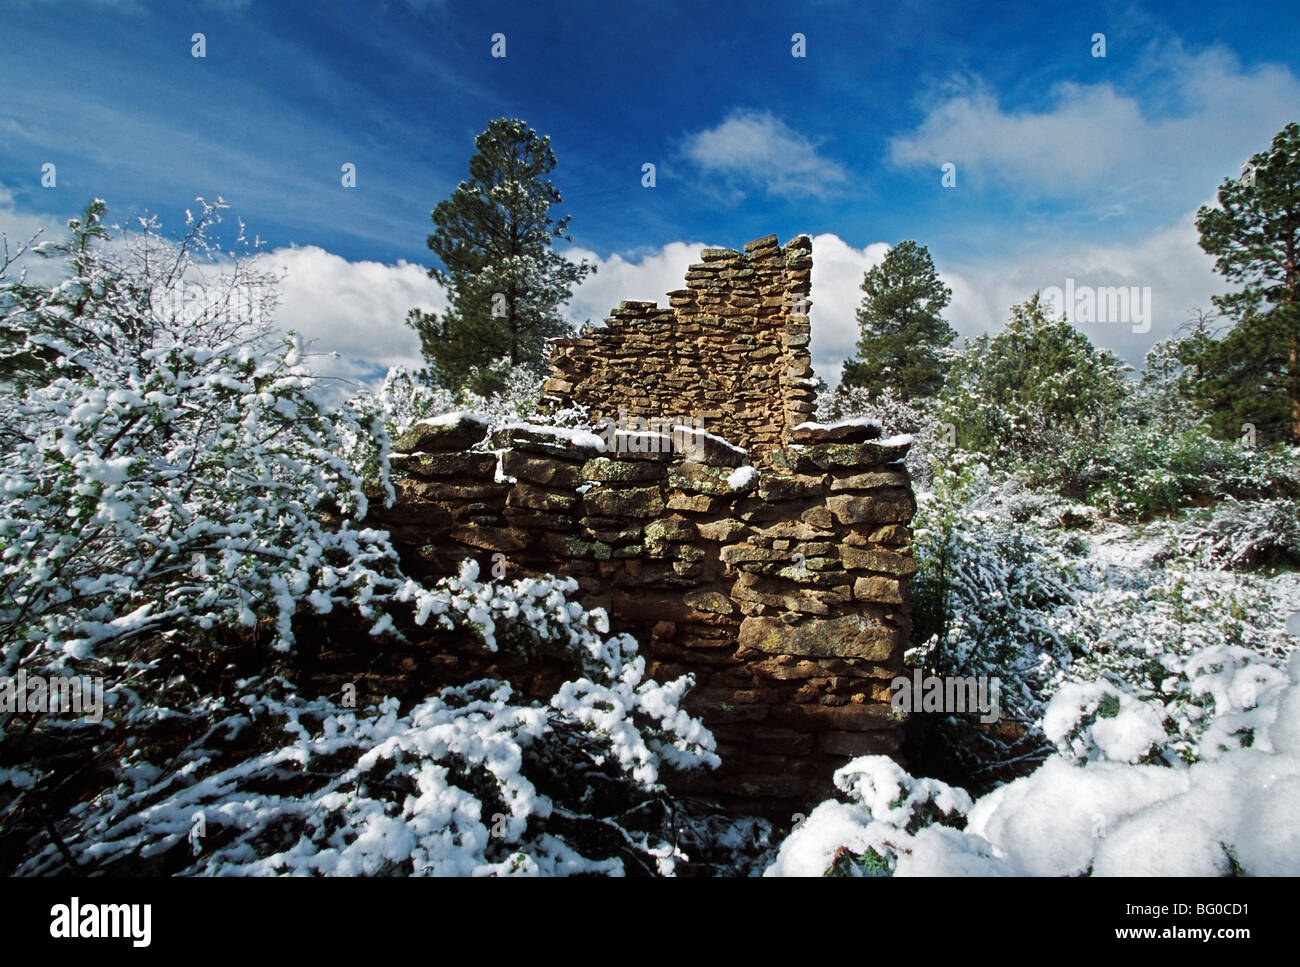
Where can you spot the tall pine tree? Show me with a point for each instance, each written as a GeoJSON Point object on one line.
{"type": "Point", "coordinates": [902, 334]}
{"type": "Point", "coordinates": [504, 282]}
{"type": "Point", "coordinates": [1252, 375]}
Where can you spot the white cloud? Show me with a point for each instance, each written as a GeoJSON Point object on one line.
{"type": "Point", "coordinates": [1196, 120]}
{"type": "Point", "coordinates": [616, 279]}
{"type": "Point", "coordinates": [357, 309]}
{"type": "Point", "coordinates": [1181, 277]}
{"type": "Point", "coordinates": [19, 228]}
{"type": "Point", "coordinates": [756, 149]}
{"type": "Point", "coordinates": [837, 274]}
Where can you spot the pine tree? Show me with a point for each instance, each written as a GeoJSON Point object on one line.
{"type": "Point", "coordinates": [903, 336]}
{"type": "Point", "coordinates": [1253, 374]}
{"type": "Point", "coordinates": [504, 282]}
{"type": "Point", "coordinates": [1032, 388]}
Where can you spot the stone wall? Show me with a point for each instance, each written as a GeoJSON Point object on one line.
{"type": "Point", "coordinates": [778, 578]}
{"type": "Point", "coordinates": [731, 349]}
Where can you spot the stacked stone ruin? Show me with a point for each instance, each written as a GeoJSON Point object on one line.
{"type": "Point", "coordinates": [770, 560]}
{"type": "Point", "coordinates": [732, 345]}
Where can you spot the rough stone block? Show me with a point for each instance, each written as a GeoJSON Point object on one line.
{"type": "Point", "coordinates": [848, 636]}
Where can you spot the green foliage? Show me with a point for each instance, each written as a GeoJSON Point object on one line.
{"type": "Point", "coordinates": [903, 336]}
{"type": "Point", "coordinates": [984, 597]}
{"type": "Point", "coordinates": [850, 864]}
{"type": "Point", "coordinates": [1252, 375]}
{"type": "Point", "coordinates": [504, 282]}
{"type": "Point", "coordinates": [1031, 389]}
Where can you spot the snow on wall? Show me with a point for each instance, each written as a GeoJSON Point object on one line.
{"type": "Point", "coordinates": [778, 577]}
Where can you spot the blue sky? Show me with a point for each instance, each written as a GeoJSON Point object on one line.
{"type": "Point", "coordinates": [1068, 165]}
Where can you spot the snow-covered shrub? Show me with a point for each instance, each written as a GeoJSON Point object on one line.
{"type": "Point", "coordinates": [1236, 534]}
{"type": "Point", "coordinates": [1096, 720]}
{"type": "Point", "coordinates": [1228, 816]}
{"type": "Point", "coordinates": [1135, 471]}
{"type": "Point", "coordinates": [1140, 467]}
{"type": "Point", "coordinates": [984, 594]}
{"type": "Point", "coordinates": [1027, 393]}
{"type": "Point", "coordinates": [1202, 655]}
{"type": "Point", "coordinates": [1234, 815]}
{"type": "Point", "coordinates": [404, 398]}
{"type": "Point", "coordinates": [876, 831]}
{"type": "Point", "coordinates": [267, 763]}
{"type": "Point", "coordinates": [468, 782]}
{"type": "Point", "coordinates": [169, 472]}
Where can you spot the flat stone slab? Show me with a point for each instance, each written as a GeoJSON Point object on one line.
{"type": "Point", "coordinates": [848, 636]}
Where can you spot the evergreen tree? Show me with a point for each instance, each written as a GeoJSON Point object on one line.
{"type": "Point", "coordinates": [903, 336]}
{"type": "Point", "coordinates": [1176, 382]}
{"type": "Point", "coordinates": [504, 282]}
{"type": "Point", "coordinates": [1252, 375]}
{"type": "Point", "coordinates": [1032, 388]}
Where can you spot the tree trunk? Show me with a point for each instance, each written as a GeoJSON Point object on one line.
{"type": "Point", "coordinates": [1295, 389]}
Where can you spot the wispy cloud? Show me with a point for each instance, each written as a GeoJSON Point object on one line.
{"type": "Point", "coordinates": [757, 150]}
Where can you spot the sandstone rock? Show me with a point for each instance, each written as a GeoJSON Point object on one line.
{"type": "Point", "coordinates": [492, 539]}
{"type": "Point", "coordinates": [624, 501]}
{"type": "Point", "coordinates": [622, 471]}
{"type": "Point", "coordinates": [819, 517]}
{"type": "Point", "coordinates": [455, 431]}
{"type": "Point", "coordinates": [560, 474]}
{"type": "Point", "coordinates": [849, 636]}
{"type": "Point", "coordinates": [719, 530]}
{"type": "Point", "coordinates": [833, 455]}
{"type": "Point", "coordinates": [879, 589]}
{"type": "Point", "coordinates": [540, 498]}
{"type": "Point", "coordinates": [850, 509]}
{"type": "Point", "coordinates": [670, 529]}
{"type": "Point", "coordinates": [843, 718]}
{"type": "Point", "coordinates": [704, 447]}
{"type": "Point", "coordinates": [611, 530]}
{"type": "Point", "coordinates": [849, 431]}
{"type": "Point", "coordinates": [853, 744]}
{"type": "Point", "coordinates": [718, 254]}
{"type": "Point", "coordinates": [871, 481]}
{"type": "Point", "coordinates": [744, 553]}
{"type": "Point", "coordinates": [878, 559]}
{"type": "Point", "coordinates": [698, 503]}
{"type": "Point", "coordinates": [434, 465]}
{"type": "Point", "coordinates": [547, 442]}
{"type": "Point", "coordinates": [697, 478]}
{"type": "Point", "coordinates": [712, 601]}
{"type": "Point", "coordinates": [773, 486]}
{"type": "Point", "coordinates": [891, 534]}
